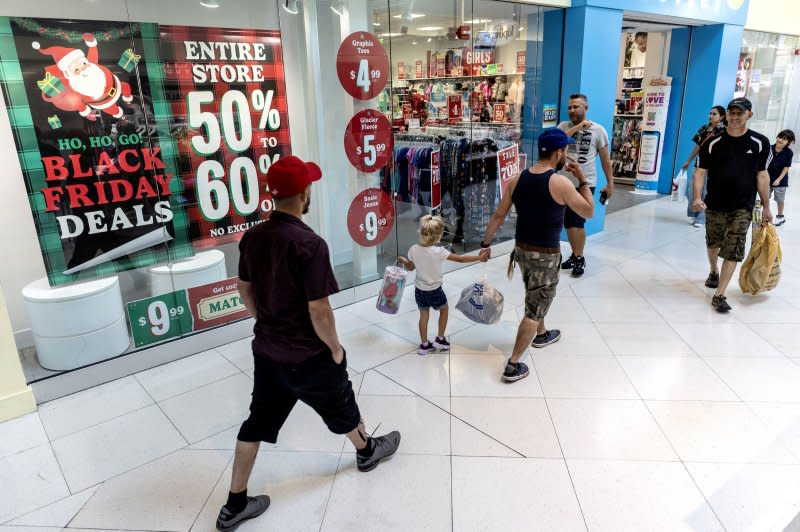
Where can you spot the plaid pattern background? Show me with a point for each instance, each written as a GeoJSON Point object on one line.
{"type": "Point", "coordinates": [20, 67]}
{"type": "Point", "coordinates": [178, 83]}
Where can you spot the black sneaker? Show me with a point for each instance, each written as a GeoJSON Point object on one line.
{"type": "Point", "coordinates": [549, 337]}
{"type": "Point", "coordinates": [780, 220]}
{"type": "Point", "coordinates": [255, 507]}
{"type": "Point", "coordinates": [720, 304]}
{"type": "Point", "coordinates": [579, 266]}
{"type": "Point", "coordinates": [424, 349]}
{"type": "Point", "coordinates": [569, 263]}
{"type": "Point", "coordinates": [712, 281]}
{"type": "Point", "coordinates": [441, 343]}
{"type": "Point", "coordinates": [515, 372]}
{"type": "Point", "coordinates": [385, 446]}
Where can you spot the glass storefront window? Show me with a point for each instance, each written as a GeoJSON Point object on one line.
{"type": "Point", "coordinates": [766, 75]}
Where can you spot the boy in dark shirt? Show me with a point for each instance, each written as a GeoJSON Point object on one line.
{"type": "Point", "coordinates": [780, 162]}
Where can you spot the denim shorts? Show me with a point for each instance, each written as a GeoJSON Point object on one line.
{"type": "Point", "coordinates": [430, 298]}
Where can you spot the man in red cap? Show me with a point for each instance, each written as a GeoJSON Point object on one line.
{"type": "Point", "coordinates": [285, 278]}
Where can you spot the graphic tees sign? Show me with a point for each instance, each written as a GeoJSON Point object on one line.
{"type": "Point", "coordinates": [370, 218]}
{"type": "Point", "coordinates": [228, 100]}
{"type": "Point", "coordinates": [362, 65]}
{"type": "Point", "coordinates": [102, 186]}
{"type": "Point", "coordinates": [368, 140]}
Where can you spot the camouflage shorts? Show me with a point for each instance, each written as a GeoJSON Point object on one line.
{"type": "Point", "coordinates": [728, 232]}
{"type": "Point", "coordinates": [540, 275]}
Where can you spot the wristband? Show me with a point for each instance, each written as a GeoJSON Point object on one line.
{"type": "Point", "coordinates": [484, 246]}
{"type": "Point", "coordinates": [584, 184]}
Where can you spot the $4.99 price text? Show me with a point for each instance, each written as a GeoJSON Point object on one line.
{"type": "Point", "coordinates": [362, 65]}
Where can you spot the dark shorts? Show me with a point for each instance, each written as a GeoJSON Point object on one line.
{"type": "Point", "coordinates": [572, 220]}
{"type": "Point", "coordinates": [318, 382]}
{"type": "Point", "coordinates": [728, 232]}
{"type": "Point", "coordinates": [430, 298]}
{"type": "Point", "coordinates": [540, 273]}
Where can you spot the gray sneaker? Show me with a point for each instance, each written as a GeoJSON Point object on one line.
{"type": "Point", "coordinates": [385, 446]}
{"type": "Point", "coordinates": [256, 506]}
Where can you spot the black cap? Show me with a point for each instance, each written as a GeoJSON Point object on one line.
{"type": "Point", "coordinates": [742, 103]}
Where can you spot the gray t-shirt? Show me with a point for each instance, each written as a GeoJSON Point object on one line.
{"type": "Point", "coordinates": [587, 143]}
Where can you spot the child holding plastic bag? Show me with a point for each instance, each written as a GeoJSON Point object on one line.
{"type": "Point", "coordinates": [427, 258]}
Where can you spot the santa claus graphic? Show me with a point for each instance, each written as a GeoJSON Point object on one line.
{"type": "Point", "coordinates": [89, 85]}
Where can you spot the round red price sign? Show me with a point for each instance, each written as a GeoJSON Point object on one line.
{"type": "Point", "coordinates": [370, 218]}
{"type": "Point", "coordinates": [362, 65]}
{"type": "Point", "coordinates": [368, 140]}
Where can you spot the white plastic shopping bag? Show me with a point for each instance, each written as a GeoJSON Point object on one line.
{"type": "Point", "coordinates": [481, 302]}
{"type": "Point", "coordinates": [681, 179]}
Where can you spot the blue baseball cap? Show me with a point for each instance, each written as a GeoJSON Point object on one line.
{"type": "Point", "coordinates": [553, 139]}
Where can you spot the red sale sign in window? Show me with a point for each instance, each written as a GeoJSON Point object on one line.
{"type": "Point", "coordinates": [455, 108]}
{"type": "Point", "coordinates": [507, 166]}
{"type": "Point", "coordinates": [368, 140]}
{"type": "Point", "coordinates": [436, 181]}
{"type": "Point", "coordinates": [362, 65]}
{"type": "Point", "coordinates": [370, 218]}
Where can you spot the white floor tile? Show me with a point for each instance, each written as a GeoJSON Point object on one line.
{"type": "Point", "coordinates": [782, 336]}
{"type": "Point", "coordinates": [537, 495]}
{"type": "Point", "coordinates": [644, 339]}
{"type": "Point", "coordinates": [30, 479]}
{"type": "Point", "coordinates": [583, 377]}
{"type": "Point", "coordinates": [764, 308]}
{"type": "Point", "coordinates": [166, 494]}
{"type": "Point", "coordinates": [358, 498]}
{"type": "Point", "coordinates": [620, 310]}
{"type": "Point", "coordinates": [106, 450]}
{"type": "Point", "coordinates": [760, 379]}
{"type": "Point", "coordinates": [84, 409]}
{"type": "Point", "coordinates": [305, 431]}
{"type": "Point", "coordinates": [783, 420]}
{"type": "Point", "coordinates": [480, 376]}
{"type": "Point", "coordinates": [406, 326]}
{"type": "Point", "coordinates": [678, 309]}
{"type": "Point", "coordinates": [469, 441]}
{"type": "Point", "coordinates": [239, 353]}
{"type": "Point", "coordinates": [521, 424]}
{"type": "Point", "coordinates": [485, 339]}
{"type": "Point", "coordinates": [59, 513]}
{"type": "Point", "coordinates": [750, 498]}
{"type": "Point", "coordinates": [210, 409]}
{"type": "Point", "coordinates": [376, 383]}
{"type": "Point", "coordinates": [565, 309]}
{"type": "Point", "coordinates": [298, 484]}
{"type": "Point", "coordinates": [582, 339]}
{"type": "Point", "coordinates": [20, 434]}
{"type": "Point", "coordinates": [605, 284]}
{"type": "Point", "coordinates": [425, 428]}
{"type": "Point", "coordinates": [186, 374]}
{"type": "Point", "coordinates": [718, 432]}
{"type": "Point", "coordinates": [372, 346]}
{"type": "Point", "coordinates": [427, 375]}
{"type": "Point", "coordinates": [675, 379]}
{"type": "Point", "coordinates": [347, 322]}
{"type": "Point", "coordinates": [609, 430]}
{"type": "Point", "coordinates": [726, 340]}
{"type": "Point", "coordinates": [637, 496]}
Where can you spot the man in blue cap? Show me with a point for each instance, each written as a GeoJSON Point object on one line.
{"type": "Point", "coordinates": [540, 195]}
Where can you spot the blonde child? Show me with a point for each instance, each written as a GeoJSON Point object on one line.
{"type": "Point", "coordinates": [427, 259]}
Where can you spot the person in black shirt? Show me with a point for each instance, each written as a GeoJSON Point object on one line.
{"type": "Point", "coordinates": [780, 162]}
{"type": "Point", "coordinates": [735, 163]}
{"type": "Point", "coordinates": [285, 278]}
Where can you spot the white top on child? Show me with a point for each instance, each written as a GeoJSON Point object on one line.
{"type": "Point", "coordinates": [428, 262]}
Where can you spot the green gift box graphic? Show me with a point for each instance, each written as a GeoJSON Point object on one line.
{"type": "Point", "coordinates": [50, 85]}
{"type": "Point", "coordinates": [54, 121]}
{"type": "Point", "coordinates": [129, 60]}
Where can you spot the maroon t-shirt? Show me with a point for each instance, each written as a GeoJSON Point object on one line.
{"type": "Point", "coordinates": [288, 265]}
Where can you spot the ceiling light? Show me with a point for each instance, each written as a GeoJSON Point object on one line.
{"type": "Point", "coordinates": [431, 28]}
{"type": "Point", "coordinates": [337, 6]}
{"type": "Point", "coordinates": [211, 4]}
{"type": "Point", "coordinates": [478, 21]}
{"type": "Point", "coordinates": [376, 24]}
{"type": "Point", "coordinates": [391, 34]}
{"type": "Point", "coordinates": [410, 16]}
{"type": "Point", "coordinates": [291, 6]}
{"type": "Point", "coordinates": [414, 42]}
{"type": "Point", "coordinates": [429, 39]}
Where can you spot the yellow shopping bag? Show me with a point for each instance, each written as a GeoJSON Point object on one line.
{"type": "Point", "coordinates": [761, 270]}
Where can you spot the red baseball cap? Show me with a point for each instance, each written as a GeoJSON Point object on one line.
{"type": "Point", "coordinates": [289, 176]}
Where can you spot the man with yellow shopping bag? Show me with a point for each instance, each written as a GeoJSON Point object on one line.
{"type": "Point", "coordinates": [735, 163]}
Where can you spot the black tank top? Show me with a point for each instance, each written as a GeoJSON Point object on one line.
{"type": "Point", "coordinates": [539, 217]}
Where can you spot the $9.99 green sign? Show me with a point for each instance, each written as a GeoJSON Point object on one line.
{"type": "Point", "coordinates": [159, 318]}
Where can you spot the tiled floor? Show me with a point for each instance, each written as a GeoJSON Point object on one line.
{"type": "Point", "coordinates": [652, 413]}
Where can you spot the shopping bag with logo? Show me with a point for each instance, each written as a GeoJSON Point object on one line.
{"type": "Point", "coordinates": [481, 302]}
{"type": "Point", "coordinates": [394, 280]}
{"type": "Point", "coordinates": [761, 270]}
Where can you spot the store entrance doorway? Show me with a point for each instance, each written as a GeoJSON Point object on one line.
{"type": "Point", "coordinates": [644, 56]}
